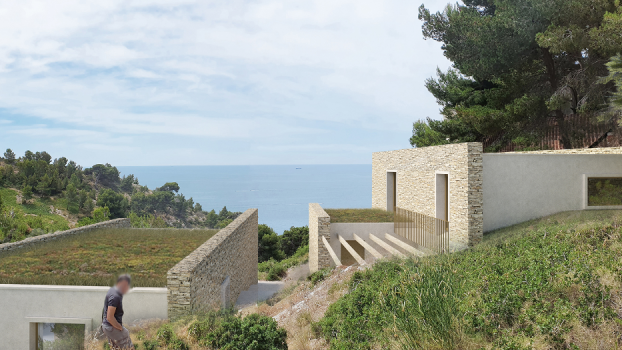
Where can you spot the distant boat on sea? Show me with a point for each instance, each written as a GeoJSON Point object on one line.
{"type": "Point", "coordinates": [298, 168]}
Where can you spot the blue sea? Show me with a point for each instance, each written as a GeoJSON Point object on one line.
{"type": "Point", "coordinates": [282, 193]}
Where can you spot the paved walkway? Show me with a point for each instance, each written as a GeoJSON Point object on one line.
{"type": "Point", "coordinates": [264, 290]}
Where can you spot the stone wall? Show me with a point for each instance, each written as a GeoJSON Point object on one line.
{"type": "Point", "coordinates": [196, 284]}
{"type": "Point", "coordinates": [319, 226]}
{"type": "Point", "coordinates": [117, 223]}
{"type": "Point", "coordinates": [416, 184]}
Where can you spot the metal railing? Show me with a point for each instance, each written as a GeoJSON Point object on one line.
{"type": "Point", "coordinates": [428, 232]}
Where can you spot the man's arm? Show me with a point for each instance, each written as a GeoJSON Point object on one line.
{"type": "Point", "coordinates": [110, 317]}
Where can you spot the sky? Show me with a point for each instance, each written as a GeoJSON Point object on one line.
{"type": "Point", "coordinates": [176, 82]}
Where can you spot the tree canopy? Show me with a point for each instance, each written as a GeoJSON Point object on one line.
{"type": "Point", "coordinates": [516, 63]}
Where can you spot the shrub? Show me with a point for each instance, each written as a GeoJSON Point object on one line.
{"type": "Point", "coordinates": [37, 232]}
{"type": "Point", "coordinates": [319, 276]}
{"type": "Point", "coordinates": [99, 215]}
{"type": "Point", "coordinates": [269, 244]}
{"type": "Point", "coordinates": [276, 272]}
{"type": "Point", "coordinates": [150, 345]}
{"type": "Point", "coordinates": [116, 202]}
{"type": "Point", "coordinates": [166, 336]}
{"type": "Point", "coordinates": [254, 332]}
{"type": "Point", "coordinates": [224, 223]}
{"type": "Point", "coordinates": [147, 221]}
{"type": "Point", "coordinates": [291, 240]}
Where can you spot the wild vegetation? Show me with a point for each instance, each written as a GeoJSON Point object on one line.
{"type": "Point", "coordinates": [97, 258]}
{"type": "Point", "coordinates": [359, 215]}
{"type": "Point", "coordinates": [552, 283]}
{"type": "Point", "coordinates": [517, 64]}
{"type": "Point", "coordinates": [215, 330]}
{"type": "Point", "coordinates": [17, 221]}
{"type": "Point", "coordinates": [41, 195]}
{"type": "Point", "coordinates": [277, 253]}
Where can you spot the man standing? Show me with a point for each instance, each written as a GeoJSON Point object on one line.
{"type": "Point", "coordinates": [112, 323]}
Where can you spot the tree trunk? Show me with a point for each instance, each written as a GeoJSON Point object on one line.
{"type": "Point", "coordinates": [559, 115]}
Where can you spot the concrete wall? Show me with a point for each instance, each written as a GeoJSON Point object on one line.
{"type": "Point", "coordinates": [22, 305]}
{"type": "Point", "coordinates": [319, 226]}
{"type": "Point", "coordinates": [117, 223]}
{"type": "Point", "coordinates": [219, 269]}
{"type": "Point", "coordinates": [523, 186]}
{"type": "Point", "coordinates": [416, 170]}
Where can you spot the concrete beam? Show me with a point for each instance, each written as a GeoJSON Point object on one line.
{"type": "Point", "coordinates": [331, 252]}
{"type": "Point", "coordinates": [386, 246]}
{"type": "Point", "coordinates": [367, 247]}
{"type": "Point", "coordinates": [414, 251]}
{"type": "Point", "coordinates": [356, 256]}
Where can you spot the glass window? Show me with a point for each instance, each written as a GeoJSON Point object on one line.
{"type": "Point", "coordinates": [604, 191]}
{"type": "Point", "coordinates": [60, 336]}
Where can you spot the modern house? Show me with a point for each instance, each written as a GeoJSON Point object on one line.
{"type": "Point", "coordinates": [212, 276]}
{"type": "Point", "coordinates": [453, 194]}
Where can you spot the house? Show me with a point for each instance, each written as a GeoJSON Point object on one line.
{"type": "Point", "coordinates": [452, 194]}
{"type": "Point", "coordinates": [210, 277]}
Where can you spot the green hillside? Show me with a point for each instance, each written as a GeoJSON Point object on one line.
{"type": "Point", "coordinates": [41, 194]}
{"type": "Point", "coordinates": [552, 283]}
{"type": "Point", "coordinates": [29, 219]}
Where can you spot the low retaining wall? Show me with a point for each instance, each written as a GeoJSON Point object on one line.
{"type": "Point", "coordinates": [25, 305]}
{"type": "Point", "coordinates": [216, 272]}
{"type": "Point", "coordinates": [319, 226]}
{"type": "Point", "coordinates": [117, 223]}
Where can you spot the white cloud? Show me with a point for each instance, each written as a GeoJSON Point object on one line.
{"type": "Point", "coordinates": [228, 70]}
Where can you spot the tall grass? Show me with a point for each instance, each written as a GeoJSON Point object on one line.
{"type": "Point", "coordinates": [551, 283]}
{"type": "Point", "coordinates": [424, 307]}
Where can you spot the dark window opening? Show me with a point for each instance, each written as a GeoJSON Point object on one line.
{"type": "Point", "coordinates": [604, 191]}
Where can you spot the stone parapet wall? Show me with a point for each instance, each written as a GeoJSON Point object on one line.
{"type": "Point", "coordinates": [319, 226]}
{"type": "Point", "coordinates": [117, 223]}
{"type": "Point", "coordinates": [222, 267]}
{"type": "Point", "coordinates": [416, 170]}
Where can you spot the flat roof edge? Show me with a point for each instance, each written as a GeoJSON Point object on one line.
{"type": "Point", "coordinates": [155, 290]}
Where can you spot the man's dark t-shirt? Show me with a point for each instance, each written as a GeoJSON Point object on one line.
{"type": "Point", "coordinates": [114, 299]}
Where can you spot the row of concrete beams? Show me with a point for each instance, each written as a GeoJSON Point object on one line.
{"type": "Point", "coordinates": [371, 249]}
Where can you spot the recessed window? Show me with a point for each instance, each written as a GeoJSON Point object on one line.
{"type": "Point", "coordinates": [604, 191]}
{"type": "Point", "coordinates": [57, 336]}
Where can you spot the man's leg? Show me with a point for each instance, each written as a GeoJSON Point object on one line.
{"type": "Point", "coordinates": [119, 339]}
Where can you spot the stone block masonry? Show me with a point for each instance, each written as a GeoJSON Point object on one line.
{"type": "Point", "coordinates": [30, 241]}
{"type": "Point", "coordinates": [416, 170]}
{"type": "Point", "coordinates": [319, 226]}
{"type": "Point", "coordinates": [216, 272]}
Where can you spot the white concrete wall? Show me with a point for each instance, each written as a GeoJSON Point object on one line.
{"type": "Point", "coordinates": [22, 304]}
{"type": "Point", "coordinates": [347, 231]}
{"type": "Point", "coordinates": [519, 187]}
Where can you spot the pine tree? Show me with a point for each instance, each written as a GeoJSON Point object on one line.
{"type": "Point", "coordinates": [71, 194]}
{"type": "Point", "coordinates": [9, 156]}
{"type": "Point", "coordinates": [27, 192]}
{"type": "Point", "coordinates": [615, 76]}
